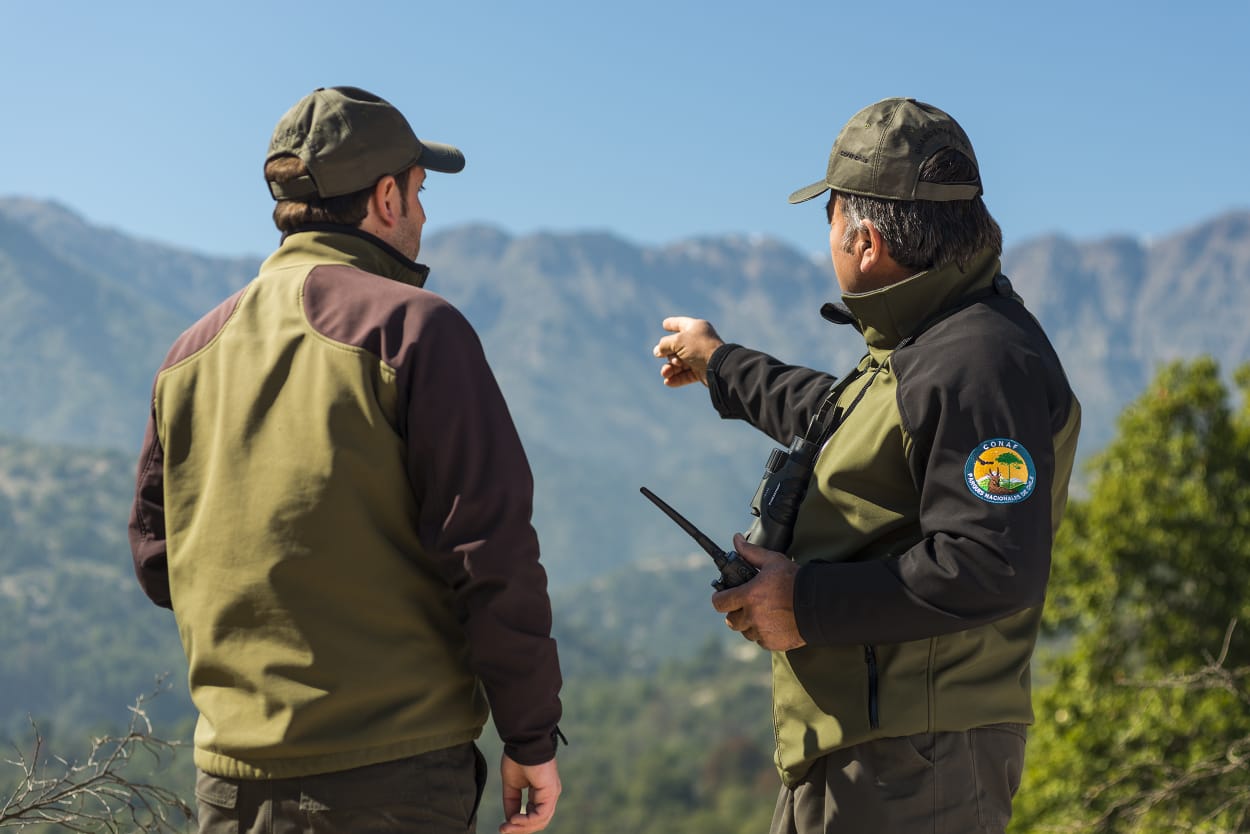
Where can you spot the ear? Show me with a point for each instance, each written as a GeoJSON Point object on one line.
{"type": "Point", "coordinates": [385, 204]}
{"type": "Point", "coordinates": [871, 248]}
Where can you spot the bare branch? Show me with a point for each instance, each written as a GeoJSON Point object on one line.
{"type": "Point", "coordinates": [96, 794]}
{"type": "Point", "coordinates": [1223, 778]}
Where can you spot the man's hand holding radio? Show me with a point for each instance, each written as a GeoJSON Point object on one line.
{"type": "Point", "coordinates": [762, 610]}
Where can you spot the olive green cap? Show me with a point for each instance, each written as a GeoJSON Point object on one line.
{"type": "Point", "coordinates": [880, 151]}
{"type": "Point", "coordinates": [349, 139]}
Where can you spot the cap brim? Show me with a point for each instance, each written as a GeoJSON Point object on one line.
{"type": "Point", "coordinates": [439, 157]}
{"type": "Point", "coordinates": [813, 190]}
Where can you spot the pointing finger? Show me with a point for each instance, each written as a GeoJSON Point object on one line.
{"type": "Point", "coordinates": [676, 324]}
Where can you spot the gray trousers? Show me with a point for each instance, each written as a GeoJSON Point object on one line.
{"type": "Point", "coordinates": [933, 783]}
{"type": "Point", "coordinates": [435, 792]}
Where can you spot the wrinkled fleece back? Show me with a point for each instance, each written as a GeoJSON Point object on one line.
{"type": "Point", "coordinates": [335, 454]}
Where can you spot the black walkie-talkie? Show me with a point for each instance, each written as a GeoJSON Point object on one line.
{"type": "Point", "coordinates": [734, 570]}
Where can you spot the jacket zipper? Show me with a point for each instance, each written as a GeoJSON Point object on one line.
{"type": "Point", "coordinates": [874, 718]}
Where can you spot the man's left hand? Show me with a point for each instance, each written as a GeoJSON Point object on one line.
{"type": "Point", "coordinates": [543, 783]}
{"type": "Point", "coordinates": [762, 610]}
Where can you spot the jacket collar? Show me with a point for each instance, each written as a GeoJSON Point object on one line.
{"type": "Point", "coordinates": [322, 243]}
{"type": "Point", "coordinates": [891, 314]}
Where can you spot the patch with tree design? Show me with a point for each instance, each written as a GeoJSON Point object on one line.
{"type": "Point", "coordinates": [1000, 471]}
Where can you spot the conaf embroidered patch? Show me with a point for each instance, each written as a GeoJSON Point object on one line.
{"type": "Point", "coordinates": [1000, 471]}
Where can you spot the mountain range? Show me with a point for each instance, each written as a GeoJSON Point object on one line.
{"type": "Point", "coordinates": [568, 321]}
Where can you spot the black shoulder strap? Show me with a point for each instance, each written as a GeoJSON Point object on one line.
{"type": "Point", "coordinates": [828, 415]}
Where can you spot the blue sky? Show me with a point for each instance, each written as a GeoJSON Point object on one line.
{"type": "Point", "coordinates": [658, 121]}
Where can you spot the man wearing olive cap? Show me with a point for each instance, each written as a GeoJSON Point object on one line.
{"type": "Point", "coordinates": [333, 500]}
{"type": "Point", "coordinates": [903, 615]}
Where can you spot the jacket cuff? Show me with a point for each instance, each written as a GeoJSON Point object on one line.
{"type": "Point", "coordinates": [536, 752]}
{"type": "Point", "coordinates": [717, 386]}
{"type": "Point", "coordinates": [807, 593]}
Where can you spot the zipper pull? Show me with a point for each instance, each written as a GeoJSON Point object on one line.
{"type": "Point", "coordinates": [870, 658]}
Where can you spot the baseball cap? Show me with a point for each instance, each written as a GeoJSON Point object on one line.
{"type": "Point", "coordinates": [349, 139]}
{"type": "Point", "coordinates": [880, 151]}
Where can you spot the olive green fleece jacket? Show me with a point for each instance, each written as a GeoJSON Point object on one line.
{"type": "Point", "coordinates": [334, 501]}
{"type": "Point", "coordinates": [926, 532]}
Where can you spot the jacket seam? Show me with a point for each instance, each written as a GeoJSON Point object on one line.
{"type": "Point", "coordinates": [347, 347]}
{"type": "Point", "coordinates": [931, 683]}
{"type": "Point", "coordinates": [147, 467]}
{"type": "Point", "coordinates": [212, 341]}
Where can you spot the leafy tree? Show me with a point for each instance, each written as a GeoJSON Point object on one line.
{"type": "Point", "coordinates": [685, 747]}
{"type": "Point", "coordinates": [1012, 460]}
{"type": "Point", "coordinates": [1144, 725]}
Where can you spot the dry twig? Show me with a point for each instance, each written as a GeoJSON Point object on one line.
{"type": "Point", "coordinates": [95, 794]}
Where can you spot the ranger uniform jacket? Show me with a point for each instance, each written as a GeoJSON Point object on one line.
{"type": "Point", "coordinates": [925, 535]}
{"type": "Point", "coordinates": [334, 501]}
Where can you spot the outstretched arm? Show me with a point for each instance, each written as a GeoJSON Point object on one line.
{"type": "Point", "coordinates": [776, 398]}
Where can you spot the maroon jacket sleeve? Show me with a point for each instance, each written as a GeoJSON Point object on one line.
{"type": "Point", "coordinates": [147, 520]}
{"type": "Point", "coordinates": [475, 493]}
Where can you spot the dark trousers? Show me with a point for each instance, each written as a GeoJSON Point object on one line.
{"type": "Point", "coordinates": [935, 783]}
{"type": "Point", "coordinates": [434, 792]}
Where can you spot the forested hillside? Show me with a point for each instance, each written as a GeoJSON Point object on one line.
{"type": "Point", "coordinates": [1142, 720]}
{"type": "Point", "coordinates": [664, 707]}
{"type": "Point", "coordinates": [80, 640]}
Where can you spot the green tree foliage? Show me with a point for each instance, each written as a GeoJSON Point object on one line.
{"type": "Point", "coordinates": [79, 637]}
{"type": "Point", "coordinates": [1144, 725]}
{"type": "Point", "coordinates": [683, 747]}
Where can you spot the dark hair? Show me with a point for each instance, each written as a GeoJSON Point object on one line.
{"type": "Point", "coordinates": [344, 210]}
{"type": "Point", "coordinates": [925, 234]}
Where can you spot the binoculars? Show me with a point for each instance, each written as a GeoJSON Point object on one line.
{"type": "Point", "coordinates": [775, 507]}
